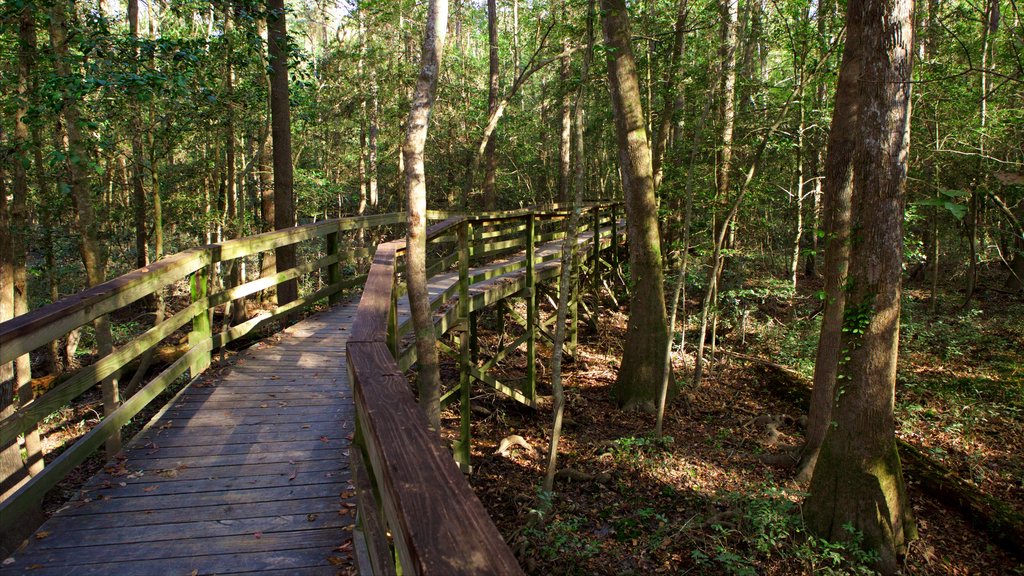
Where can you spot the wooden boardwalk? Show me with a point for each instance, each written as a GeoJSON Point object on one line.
{"type": "Point", "coordinates": [243, 474]}
{"type": "Point", "coordinates": [246, 471]}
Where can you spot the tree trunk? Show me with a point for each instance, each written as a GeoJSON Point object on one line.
{"type": "Point", "coordinates": [835, 206]}
{"type": "Point", "coordinates": [565, 134]}
{"type": "Point", "coordinates": [428, 377]}
{"type": "Point", "coordinates": [235, 212]}
{"type": "Point", "coordinates": [12, 470]}
{"type": "Point", "coordinates": [730, 14]}
{"type": "Point", "coordinates": [668, 101]}
{"type": "Point", "coordinates": [20, 219]}
{"type": "Point", "coordinates": [77, 158]}
{"type": "Point", "coordinates": [281, 133]}
{"type": "Point", "coordinates": [490, 197]}
{"type": "Point", "coordinates": [799, 227]}
{"type": "Point", "coordinates": [858, 479]}
{"type": "Point", "coordinates": [642, 371]}
{"type": "Point", "coordinates": [569, 258]}
{"type": "Point", "coordinates": [138, 159]}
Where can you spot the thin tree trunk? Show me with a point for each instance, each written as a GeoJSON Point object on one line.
{"type": "Point", "coordinates": [669, 103]}
{"type": "Point", "coordinates": [12, 469]}
{"type": "Point", "coordinates": [20, 219]}
{"type": "Point", "coordinates": [569, 258]}
{"type": "Point", "coordinates": [93, 257]}
{"type": "Point", "coordinates": [281, 132]}
{"type": "Point", "coordinates": [730, 13]}
{"type": "Point", "coordinates": [138, 158]}
{"type": "Point", "coordinates": [565, 134]}
{"type": "Point", "coordinates": [490, 197]}
{"type": "Point", "coordinates": [428, 376]}
{"type": "Point", "coordinates": [235, 212]}
{"type": "Point", "coordinates": [799, 228]}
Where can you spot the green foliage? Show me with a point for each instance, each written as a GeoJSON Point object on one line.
{"type": "Point", "coordinates": [770, 525]}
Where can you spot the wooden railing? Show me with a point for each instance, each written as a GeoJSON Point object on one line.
{"type": "Point", "coordinates": [416, 511]}
{"type": "Point", "coordinates": [25, 333]}
{"type": "Point", "coordinates": [408, 484]}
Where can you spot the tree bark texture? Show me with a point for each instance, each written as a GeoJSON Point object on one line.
{"type": "Point", "coordinates": [858, 479]}
{"type": "Point", "coordinates": [138, 160]}
{"type": "Point", "coordinates": [490, 197]}
{"type": "Point", "coordinates": [730, 15]}
{"type": "Point", "coordinates": [668, 101]}
{"type": "Point", "coordinates": [835, 206]}
{"type": "Point", "coordinates": [428, 376]}
{"type": "Point", "coordinates": [71, 140]}
{"type": "Point", "coordinates": [281, 133]}
{"type": "Point", "coordinates": [642, 371]}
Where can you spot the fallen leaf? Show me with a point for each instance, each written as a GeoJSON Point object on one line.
{"type": "Point", "coordinates": [42, 534]}
{"type": "Point", "coordinates": [257, 535]}
{"type": "Point", "coordinates": [337, 561]}
{"type": "Point", "coordinates": [294, 474]}
{"type": "Point", "coordinates": [345, 547]}
{"type": "Point", "coordinates": [324, 439]}
{"type": "Point", "coordinates": [311, 517]}
{"type": "Point", "coordinates": [150, 488]}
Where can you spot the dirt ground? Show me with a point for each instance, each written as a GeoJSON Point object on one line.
{"type": "Point", "coordinates": [702, 502]}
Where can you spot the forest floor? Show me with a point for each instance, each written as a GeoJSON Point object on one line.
{"type": "Point", "coordinates": [702, 502]}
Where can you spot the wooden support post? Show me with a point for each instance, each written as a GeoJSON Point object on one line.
{"type": "Point", "coordinates": [202, 323]}
{"type": "Point", "coordinates": [531, 311]}
{"type": "Point", "coordinates": [615, 238]}
{"type": "Point", "coordinates": [574, 307]}
{"type": "Point", "coordinates": [474, 340]}
{"type": "Point", "coordinates": [462, 447]}
{"type": "Point", "coordinates": [595, 257]}
{"type": "Point", "coordinates": [334, 269]}
{"type": "Point", "coordinates": [595, 272]}
{"type": "Point", "coordinates": [392, 337]}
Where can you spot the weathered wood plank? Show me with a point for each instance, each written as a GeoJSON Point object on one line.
{"type": "Point", "coordinates": [115, 536]}
{"type": "Point", "coordinates": [428, 525]}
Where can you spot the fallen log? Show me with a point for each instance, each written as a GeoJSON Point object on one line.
{"type": "Point", "coordinates": [1002, 523]}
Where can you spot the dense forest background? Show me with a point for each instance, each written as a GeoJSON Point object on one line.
{"type": "Point", "coordinates": [164, 108]}
{"type": "Point", "coordinates": [132, 131]}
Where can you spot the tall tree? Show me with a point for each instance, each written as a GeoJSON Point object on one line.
{"type": "Point", "coordinates": [835, 206]}
{"type": "Point", "coordinates": [640, 376]}
{"type": "Point", "coordinates": [281, 134]}
{"type": "Point", "coordinates": [428, 377]}
{"type": "Point", "coordinates": [76, 153]}
{"type": "Point", "coordinates": [138, 160]}
{"type": "Point", "coordinates": [858, 479]}
{"type": "Point", "coordinates": [493, 86]}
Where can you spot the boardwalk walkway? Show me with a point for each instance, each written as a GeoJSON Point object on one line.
{"type": "Point", "coordinates": [247, 473]}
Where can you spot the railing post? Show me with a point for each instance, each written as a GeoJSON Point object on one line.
{"type": "Point", "coordinates": [392, 337]}
{"type": "Point", "coordinates": [574, 301]}
{"type": "Point", "coordinates": [595, 269]}
{"type": "Point", "coordinates": [615, 237]}
{"type": "Point", "coordinates": [333, 269]}
{"type": "Point", "coordinates": [462, 446]}
{"type": "Point", "coordinates": [531, 311]}
{"type": "Point", "coordinates": [202, 324]}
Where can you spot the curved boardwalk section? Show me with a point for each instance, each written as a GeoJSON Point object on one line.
{"type": "Point", "coordinates": [242, 473]}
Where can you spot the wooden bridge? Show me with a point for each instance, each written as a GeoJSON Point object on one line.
{"type": "Point", "coordinates": [306, 455]}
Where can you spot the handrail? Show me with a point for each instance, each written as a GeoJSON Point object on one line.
{"type": "Point", "coordinates": [429, 508]}
{"type": "Point", "coordinates": [29, 331]}
{"type": "Point", "coordinates": [407, 483]}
